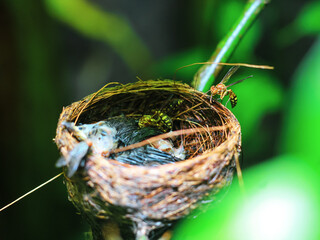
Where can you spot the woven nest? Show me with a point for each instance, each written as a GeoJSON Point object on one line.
{"type": "Point", "coordinates": [152, 196]}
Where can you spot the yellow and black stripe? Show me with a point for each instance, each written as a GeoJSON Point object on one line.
{"type": "Point", "coordinates": [233, 98]}
{"type": "Point", "coordinates": [158, 120]}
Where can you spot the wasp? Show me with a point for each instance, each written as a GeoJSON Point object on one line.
{"type": "Point", "coordinates": [222, 90]}
{"type": "Point", "coordinates": [160, 118]}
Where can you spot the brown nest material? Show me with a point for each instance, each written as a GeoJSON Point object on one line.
{"type": "Point", "coordinates": [151, 197]}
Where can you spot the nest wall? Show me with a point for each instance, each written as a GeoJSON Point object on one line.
{"type": "Point", "coordinates": [106, 188]}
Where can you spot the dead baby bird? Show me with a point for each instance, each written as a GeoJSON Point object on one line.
{"type": "Point", "coordinates": [104, 136]}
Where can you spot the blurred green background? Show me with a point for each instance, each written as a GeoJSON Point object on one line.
{"type": "Point", "coordinates": [54, 52]}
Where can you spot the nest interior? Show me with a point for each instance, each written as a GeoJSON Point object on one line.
{"type": "Point", "coordinates": [209, 133]}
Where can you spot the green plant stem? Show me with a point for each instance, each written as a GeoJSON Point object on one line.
{"type": "Point", "coordinates": [206, 75]}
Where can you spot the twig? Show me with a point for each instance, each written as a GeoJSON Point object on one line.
{"type": "Point", "coordinates": [33, 190]}
{"type": "Point", "coordinates": [206, 75]}
{"type": "Point", "coordinates": [168, 135]}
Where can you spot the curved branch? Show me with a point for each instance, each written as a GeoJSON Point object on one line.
{"type": "Point", "coordinates": [206, 75]}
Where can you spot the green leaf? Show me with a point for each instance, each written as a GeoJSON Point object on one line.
{"type": "Point", "coordinates": [301, 128]}
{"type": "Point", "coordinates": [305, 24]}
{"type": "Point", "coordinates": [280, 202]}
{"type": "Point", "coordinates": [110, 28]}
{"type": "Point", "coordinates": [308, 19]}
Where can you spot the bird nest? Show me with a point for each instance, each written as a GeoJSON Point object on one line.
{"type": "Point", "coordinates": [151, 196]}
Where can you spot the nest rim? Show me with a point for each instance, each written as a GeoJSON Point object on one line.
{"type": "Point", "coordinates": [180, 176]}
